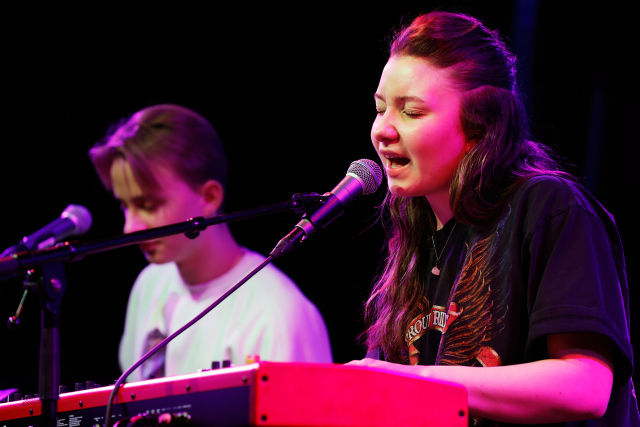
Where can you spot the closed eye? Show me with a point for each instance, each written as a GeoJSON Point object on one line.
{"type": "Point", "coordinates": [143, 203]}
{"type": "Point", "coordinates": [413, 113]}
{"type": "Point", "coordinates": [149, 205]}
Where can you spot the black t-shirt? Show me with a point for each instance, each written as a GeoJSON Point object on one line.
{"type": "Point", "coordinates": [552, 264]}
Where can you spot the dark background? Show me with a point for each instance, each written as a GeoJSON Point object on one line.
{"type": "Point", "coordinates": [290, 92]}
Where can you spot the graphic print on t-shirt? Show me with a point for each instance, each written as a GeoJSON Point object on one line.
{"type": "Point", "coordinates": [435, 319]}
{"type": "Point", "coordinates": [474, 316]}
{"type": "Point", "coordinates": [154, 367]}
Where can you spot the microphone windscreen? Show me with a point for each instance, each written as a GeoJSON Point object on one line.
{"type": "Point", "coordinates": [80, 216]}
{"type": "Point", "coordinates": [368, 172]}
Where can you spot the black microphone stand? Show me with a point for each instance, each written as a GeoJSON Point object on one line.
{"type": "Point", "coordinates": [51, 285]}
{"type": "Point", "coordinates": [51, 288]}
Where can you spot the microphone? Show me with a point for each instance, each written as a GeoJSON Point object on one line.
{"type": "Point", "coordinates": [363, 177]}
{"type": "Point", "coordinates": [75, 220]}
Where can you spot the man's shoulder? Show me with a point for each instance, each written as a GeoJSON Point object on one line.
{"type": "Point", "coordinates": [155, 275]}
{"type": "Point", "coordinates": [269, 273]}
{"type": "Point", "coordinates": [165, 269]}
{"type": "Point", "coordinates": [273, 285]}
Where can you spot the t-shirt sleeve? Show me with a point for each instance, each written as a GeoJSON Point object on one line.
{"type": "Point", "coordinates": [576, 283]}
{"type": "Point", "coordinates": [298, 336]}
{"type": "Point", "coordinates": [145, 310]}
{"type": "Point", "coordinates": [285, 325]}
{"type": "Point", "coordinates": [127, 349]}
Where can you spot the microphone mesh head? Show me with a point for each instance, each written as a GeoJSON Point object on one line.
{"type": "Point", "coordinates": [368, 172]}
{"type": "Point", "coordinates": [80, 216]}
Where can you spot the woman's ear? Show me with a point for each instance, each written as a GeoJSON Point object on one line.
{"type": "Point", "coordinates": [212, 195]}
{"type": "Point", "coordinates": [471, 142]}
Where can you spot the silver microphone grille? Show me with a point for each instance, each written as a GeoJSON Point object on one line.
{"type": "Point", "coordinates": [368, 172]}
{"type": "Point", "coordinates": [80, 216]}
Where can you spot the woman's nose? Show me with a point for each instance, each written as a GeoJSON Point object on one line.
{"type": "Point", "coordinates": [384, 130]}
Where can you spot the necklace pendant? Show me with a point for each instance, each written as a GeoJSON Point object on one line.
{"type": "Point", "coordinates": [435, 270]}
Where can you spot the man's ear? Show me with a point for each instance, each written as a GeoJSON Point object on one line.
{"type": "Point", "coordinates": [212, 195]}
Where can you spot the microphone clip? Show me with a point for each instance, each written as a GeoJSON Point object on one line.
{"type": "Point", "coordinates": [305, 202]}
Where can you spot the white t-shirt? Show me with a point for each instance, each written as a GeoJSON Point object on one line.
{"type": "Point", "coordinates": [267, 316]}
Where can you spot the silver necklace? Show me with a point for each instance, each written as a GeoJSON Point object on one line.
{"type": "Point", "coordinates": [435, 270]}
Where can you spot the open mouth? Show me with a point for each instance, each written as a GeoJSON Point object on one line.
{"type": "Point", "coordinates": [397, 162]}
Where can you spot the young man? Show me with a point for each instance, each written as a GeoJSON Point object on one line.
{"type": "Point", "coordinates": [166, 164]}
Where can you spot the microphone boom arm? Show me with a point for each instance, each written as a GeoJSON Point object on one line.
{"type": "Point", "coordinates": [19, 263]}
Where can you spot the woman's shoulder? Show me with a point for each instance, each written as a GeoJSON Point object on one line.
{"type": "Point", "coordinates": [551, 184]}
{"type": "Point", "coordinates": [549, 197]}
{"type": "Point", "coordinates": [555, 193]}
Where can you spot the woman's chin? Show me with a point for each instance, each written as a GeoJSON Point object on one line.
{"type": "Point", "coordinates": [398, 190]}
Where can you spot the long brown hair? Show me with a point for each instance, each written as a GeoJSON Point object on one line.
{"type": "Point", "coordinates": [484, 71]}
